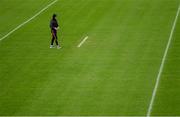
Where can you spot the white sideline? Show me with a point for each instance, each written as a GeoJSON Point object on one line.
{"type": "Point", "coordinates": [28, 20]}
{"type": "Point", "coordinates": [162, 64]}
{"type": "Point", "coordinates": [82, 41]}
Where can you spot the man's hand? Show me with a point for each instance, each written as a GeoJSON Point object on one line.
{"type": "Point", "coordinates": [56, 28]}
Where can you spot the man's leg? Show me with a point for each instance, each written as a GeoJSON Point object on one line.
{"type": "Point", "coordinates": [56, 40]}
{"type": "Point", "coordinates": [52, 40]}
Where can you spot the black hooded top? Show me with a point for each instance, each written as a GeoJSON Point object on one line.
{"type": "Point", "coordinates": [53, 23]}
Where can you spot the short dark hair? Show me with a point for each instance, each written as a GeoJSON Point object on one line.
{"type": "Point", "coordinates": [54, 15]}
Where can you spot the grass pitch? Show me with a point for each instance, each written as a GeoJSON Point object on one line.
{"type": "Point", "coordinates": [113, 73]}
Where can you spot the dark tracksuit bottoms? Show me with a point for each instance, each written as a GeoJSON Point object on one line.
{"type": "Point", "coordinates": [54, 37]}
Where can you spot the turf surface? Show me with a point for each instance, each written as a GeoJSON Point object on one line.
{"type": "Point", "coordinates": [113, 73]}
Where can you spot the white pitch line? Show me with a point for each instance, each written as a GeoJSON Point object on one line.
{"type": "Point", "coordinates": [28, 20]}
{"type": "Point", "coordinates": [162, 63]}
{"type": "Point", "coordinates": [82, 41]}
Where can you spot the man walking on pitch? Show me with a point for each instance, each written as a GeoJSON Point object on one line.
{"type": "Point", "coordinates": [54, 27]}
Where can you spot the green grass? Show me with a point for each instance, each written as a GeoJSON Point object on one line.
{"type": "Point", "coordinates": [168, 98]}
{"type": "Point", "coordinates": [113, 73]}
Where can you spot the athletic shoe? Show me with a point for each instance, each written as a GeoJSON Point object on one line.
{"type": "Point", "coordinates": [58, 47]}
{"type": "Point", "coordinates": [51, 46]}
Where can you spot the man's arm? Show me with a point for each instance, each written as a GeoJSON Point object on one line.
{"type": "Point", "coordinates": [57, 25]}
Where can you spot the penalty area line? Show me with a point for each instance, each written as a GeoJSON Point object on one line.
{"type": "Point", "coordinates": [162, 63]}
{"type": "Point", "coordinates": [22, 24]}
{"type": "Point", "coordinates": [80, 44]}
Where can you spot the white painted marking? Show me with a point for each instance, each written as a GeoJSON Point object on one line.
{"type": "Point", "coordinates": [82, 41]}
{"type": "Point", "coordinates": [28, 20]}
{"type": "Point", "coordinates": [162, 64]}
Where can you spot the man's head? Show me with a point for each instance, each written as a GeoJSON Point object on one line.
{"type": "Point", "coordinates": [54, 16]}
